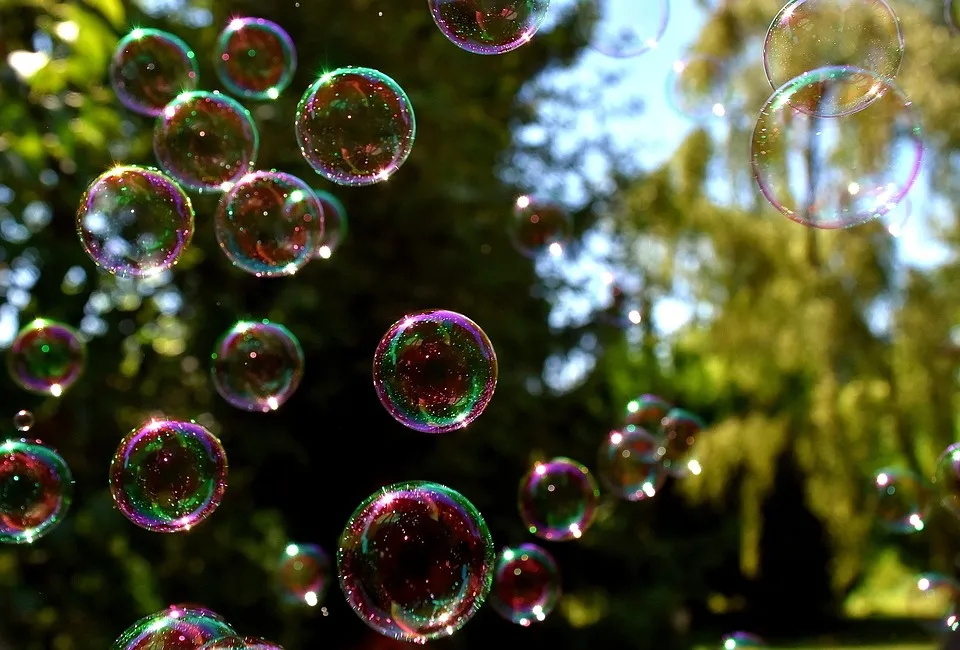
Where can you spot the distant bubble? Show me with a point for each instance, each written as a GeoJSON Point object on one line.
{"type": "Point", "coordinates": [699, 87]}
{"type": "Point", "coordinates": [256, 58]}
{"type": "Point", "coordinates": [168, 476]}
{"type": "Point", "coordinates": [174, 628]}
{"type": "Point", "coordinates": [206, 141]}
{"type": "Point", "coordinates": [647, 412]}
{"type": "Point", "coordinates": [257, 365]}
{"type": "Point", "coordinates": [939, 595]}
{"type": "Point", "coordinates": [558, 499]}
{"type": "Point", "coordinates": [902, 500]}
{"type": "Point", "coordinates": [269, 224]}
{"type": "Point", "coordinates": [355, 126]}
{"type": "Point", "coordinates": [23, 421]}
{"type": "Point", "coordinates": [485, 27]}
{"type": "Point", "coordinates": [624, 28]}
{"type": "Point", "coordinates": [526, 584]}
{"type": "Point", "coordinates": [739, 640]}
{"type": "Point", "coordinates": [435, 371]}
{"type": "Point", "coordinates": [135, 222]}
{"type": "Point", "coordinates": [946, 480]}
{"type": "Point", "coordinates": [150, 68]}
{"type": "Point", "coordinates": [46, 357]}
{"type": "Point", "coordinates": [539, 227]}
{"type": "Point", "coordinates": [36, 488]}
{"type": "Point", "coordinates": [630, 464]}
{"type": "Point", "coordinates": [334, 224]}
{"type": "Point", "coordinates": [680, 429]}
{"type": "Point", "coordinates": [416, 561]}
{"type": "Point", "coordinates": [304, 574]}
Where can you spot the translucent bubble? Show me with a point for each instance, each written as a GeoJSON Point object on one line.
{"type": "Point", "coordinates": [624, 28]}
{"type": "Point", "coordinates": [739, 640]}
{"type": "Point", "coordinates": [355, 126]}
{"type": "Point", "coordinates": [168, 476]}
{"type": "Point", "coordinates": [630, 464]}
{"type": "Point", "coordinates": [304, 574]}
{"type": "Point", "coordinates": [647, 412]}
{"type": "Point", "coordinates": [903, 500]}
{"type": "Point", "coordinates": [680, 429]}
{"type": "Point", "coordinates": [699, 87]}
{"type": "Point", "coordinates": [334, 224]}
{"type": "Point", "coordinates": [46, 357]}
{"type": "Point", "coordinates": [23, 421]}
{"type": "Point", "coordinates": [526, 584]}
{"type": "Point", "coordinates": [558, 499]}
{"type": "Point", "coordinates": [269, 224]}
{"type": "Point", "coordinates": [416, 561]}
{"type": "Point", "coordinates": [206, 141]}
{"type": "Point", "coordinates": [150, 68]}
{"type": "Point", "coordinates": [836, 172]}
{"type": "Point", "coordinates": [174, 628]}
{"type": "Point", "coordinates": [36, 487]}
{"type": "Point", "coordinates": [539, 227]}
{"type": "Point", "coordinates": [939, 595]}
{"type": "Point", "coordinates": [257, 366]}
{"type": "Point", "coordinates": [255, 58]}
{"type": "Point", "coordinates": [135, 221]}
{"type": "Point", "coordinates": [489, 26]}
{"type": "Point", "coordinates": [435, 371]}
{"type": "Point", "coordinates": [946, 480]}
{"type": "Point", "coordinates": [811, 34]}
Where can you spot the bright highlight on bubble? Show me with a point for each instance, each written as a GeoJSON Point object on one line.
{"type": "Point", "coordinates": [742, 641]}
{"type": "Point", "coordinates": [355, 126]}
{"type": "Point", "coordinates": [46, 357]}
{"type": "Point", "coordinates": [558, 499]}
{"type": "Point", "coordinates": [175, 628]}
{"type": "Point", "coordinates": [334, 224]}
{"type": "Point", "coordinates": [699, 87]}
{"type": "Point", "coordinates": [416, 561]}
{"type": "Point", "coordinates": [903, 500]}
{"type": "Point", "coordinates": [435, 371]}
{"type": "Point", "coordinates": [630, 464]}
{"type": "Point", "coordinates": [168, 476]}
{"type": "Point", "coordinates": [255, 58]}
{"type": "Point", "coordinates": [647, 412]}
{"type": "Point", "coordinates": [304, 574]}
{"type": "Point", "coordinates": [623, 28]}
{"type": "Point", "coordinates": [150, 68]}
{"type": "Point", "coordinates": [269, 224]}
{"type": "Point", "coordinates": [23, 421]}
{"type": "Point", "coordinates": [135, 222]}
{"type": "Point", "coordinates": [539, 227]}
{"type": "Point", "coordinates": [940, 595]}
{"type": "Point", "coordinates": [679, 431]}
{"type": "Point", "coordinates": [489, 27]}
{"type": "Point", "coordinates": [36, 488]}
{"type": "Point", "coordinates": [526, 584]}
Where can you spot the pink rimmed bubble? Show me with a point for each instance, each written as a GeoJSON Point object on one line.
{"type": "Point", "coordinates": [558, 499]}
{"type": "Point", "coordinates": [36, 488]}
{"type": "Point", "coordinates": [255, 58]}
{"type": "Point", "coordinates": [150, 68]}
{"type": "Point", "coordinates": [334, 224]}
{"type": "Point", "coordinates": [46, 357]}
{"type": "Point", "coordinates": [175, 628]}
{"type": "Point", "coordinates": [489, 26]}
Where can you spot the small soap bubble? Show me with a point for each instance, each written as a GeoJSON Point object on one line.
{"type": "Point", "coordinates": [539, 227]}
{"type": "Point", "coordinates": [489, 27]}
{"type": "Point", "coordinates": [526, 584]}
{"type": "Point", "coordinates": [699, 87]}
{"type": "Point", "coordinates": [946, 480]}
{"type": "Point", "coordinates": [150, 68]}
{"type": "Point", "coordinates": [36, 487]}
{"type": "Point", "coordinates": [269, 224]}
{"type": "Point", "coordinates": [558, 499]}
{"type": "Point", "coordinates": [206, 141]}
{"type": "Point", "coordinates": [940, 597]}
{"type": "Point", "coordinates": [257, 365]}
{"type": "Point", "coordinates": [355, 126]}
{"type": "Point", "coordinates": [46, 357]}
{"type": "Point", "coordinates": [435, 371]}
{"type": "Point", "coordinates": [168, 476]}
{"type": "Point", "coordinates": [334, 224]}
{"type": "Point", "coordinates": [742, 640]}
{"type": "Point", "coordinates": [255, 58]}
{"type": "Point", "coordinates": [630, 464]}
{"type": "Point", "coordinates": [902, 500]}
{"type": "Point", "coordinates": [416, 561]}
{"type": "Point", "coordinates": [135, 222]}
{"type": "Point", "coordinates": [174, 628]}
{"type": "Point", "coordinates": [680, 429]}
{"type": "Point", "coordinates": [623, 28]}
{"type": "Point", "coordinates": [647, 412]}
{"type": "Point", "coordinates": [23, 421]}
{"type": "Point", "coordinates": [304, 574]}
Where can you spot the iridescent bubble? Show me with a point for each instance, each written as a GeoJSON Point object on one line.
{"type": "Point", "coordinates": [226, 643]}
{"type": "Point", "coordinates": [539, 227]}
{"type": "Point", "coordinates": [46, 357]}
{"type": "Point", "coordinates": [903, 500]}
{"type": "Point", "coordinates": [526, 584]}
{"type": "Point", "coordinates": [168, 476]}
{"type": "Point", "coordinates": [647, 412]}
{"type": "Point", "coordinates": [255, 58]}
{"type": "Point", "coordinates": [36, 487]}
{"type": "Point", "coordinates": [679, 429]}
{"type": "Point", "coordinates": [435, 371]}
{"type": "Point", "coordinates": [257, 365]}
{"type": "Point", "coordinates": [939, 595]}
{"type": "Point", "coordinates": [135, 222]}
{"type": "Point", "coordinates": [946, 480]}
{"type": "Point", "coordinates": [334, 224]}
{"type": "Point", "coordinates": [23, 421]}
{"type": "Point", "coordinates": [355, 126]}
{"type": "Point", "coordinates": [739, 640]}
{"type": "Point", "coordinates": [630, 464]}
{"type": "Point", "coordinates": [835, 173]}
{"type": "Point", "coordinates": [811, 34]}
{"type": "Point", "coordinates": [489, 26]}
{"type": "Point", "coordinates": [558, 499]}
{"type": "Point", "coordinates": [699, 87]}
{"type": "Point", "coordinates": [624, 28]}
{"type": "Point", "coordinates": [304, 574]}
{"type": "Point", "coordinates": [269, 224]}
{"type": "Point", "coordinates": [174, 628]}
{"type": "Point", "coordinates": [416, 561]}
{"type": "Point", "coordinates": [150, 68]}
{"type": "Point", "coordinates": [206, 141]}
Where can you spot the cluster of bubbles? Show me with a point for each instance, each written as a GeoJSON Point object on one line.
{"type": "Point", "coordinates": [187, 627]}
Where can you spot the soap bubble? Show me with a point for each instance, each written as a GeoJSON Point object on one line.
{"type": "Point", "coordinates": [647, 412]}
{"type": "Point", "coordinates": [630, 464]}
{"type": "Point", "coordinates": [256, 58]}
{"type": "Point", "coordinates": [334, 224]}
{"type": "Point", "coordinates": [260, 644]}
{"type": "Point", "coordinates": [940, 595]}
{"type": "Point", "coordinates": [168, 476]}
{"type": "Point", "coordinates": [206, 141]}
{"type": "Point", "coordinates": [435, 371]}
{"type": "Point", "coordinates": [355, 126]}
{"type": "Point", "coordinates": [680, 429]}
{"type": "Point", "coordinates": [526, 584]}
{"type": "Point", "coordinates": [269, 224]}
{"type": "Point", "coordinates": [174, 628]}
{"type": "Point", "coordinates": [742, 640]}
{"type": "Point", "coordinates": [699, 87]}
{"type": "Point", "coordinates": [304, 574]}
{"type": "Point", "coordinates": [257, 366]}
{"type": "Point", "coordinates": [902, 500]}
{"type": "Point", "coordinates": [558, 499]}
{"type": "Point", "coordinates": [836, 172]}
{"type": "Point", "coordinates": [946, 480]}
{"type": "Point", "coordinates": [135, 222]}
{"type": "Point", "coordinates": [237, 643]}
{"type": "Point", "coordinates": [539, 227]}
{"type": "Point", "coordinates": [624, 28]}
{"type": "Point", "coordinates": [36, 487]}
{"type": "Point", "coordinates": [489, 27]}
{"type": "Point", "coordinates": [895, 220]}
{"type": "Point", "coordinates": [416, 561]}
{"type": "Point", "coordinates": [46, 357]}
{"type": "Point", "coordinates": [150, 68]}
{"type": "Point", "coordinates": [23, 421]}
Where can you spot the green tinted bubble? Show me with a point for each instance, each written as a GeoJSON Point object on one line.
{"type": "Point", "coordinates": [558, 499]}
{"type": "Point", "coordinates": [36, 487]}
